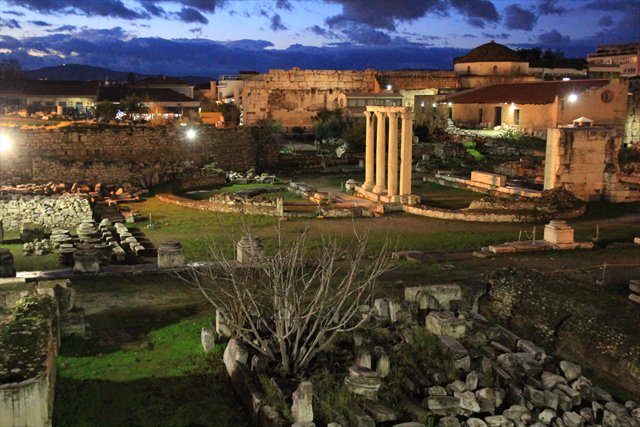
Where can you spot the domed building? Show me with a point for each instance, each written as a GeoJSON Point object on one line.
{"type": "Point", "coordinates": [491, 63]}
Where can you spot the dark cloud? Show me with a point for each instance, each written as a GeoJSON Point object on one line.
{"type": "Point", "coordinates": [477, 12]}
{"type": "Point", "coordinates": [202, 5]}
{"type": "Point", "coordinates": [498, 36]}
{"type": "Point", "coordinates": [517, 18]}
{"type": "Point", "coordinates": [316, 29]}
{"type": "Point", "coordinates": [10, 23]}
{"type": "Point", "coordinates": [609, 5]}
{"type": "Point", "coordinates": [366, 36]}
{"type": "Point", "coordinates": [40, 23]}
{"type": "Point", "coordinates": [550, 7]}
{"type": "Point", "coordinates": [154, 55]}
{"type": "Point", "coordinates": [12, 12]}
{"type": "Point", "coordinates": [110, 8]}
{"type": "Point", "coordinates": [606, 21]}
{"type": "Point", "coordinates": [152, 7]}
{"type": "Point", "coordinates": [283, 4]}
{"type": "Point", "coordinates": [62, 29]}
{"type": "Point", "coordinates": [469, 36]}
{"type": "Point", "coordinates": [197, 31]}
{"type": "Point", "coordinates": [553, 37]}
{"type": "Point", "coordinates": [189, 14]}
{"type": "Point", "coordinates": [276, 23]}
{"type": "Point", "coordinates": [382, 14]}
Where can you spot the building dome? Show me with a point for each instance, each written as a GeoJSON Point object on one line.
{"type": "Point", "coordinates": [490, 52]}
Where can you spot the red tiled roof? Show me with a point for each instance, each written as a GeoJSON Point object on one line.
{"type": "Point", "coordinates": [524, 93]}
{"type": "Point", "coordinates": [490, 52]}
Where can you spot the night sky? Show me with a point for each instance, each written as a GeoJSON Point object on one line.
{"type": "Point", "coordinates": [210, 37]}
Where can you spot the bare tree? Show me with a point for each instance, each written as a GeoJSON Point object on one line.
{"type": "Point", "coordinates": [292, 305]}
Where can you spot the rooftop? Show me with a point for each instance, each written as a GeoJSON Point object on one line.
{"type": "Point", "coordinates": [160, 80]}
{"type": "Point", "coordinates": [539, 92]}
{"type": "Point", "coordinates": [116, 93]}
{"type": "Point", "coordinates": [50, 87]}
{"type": "Point", "coordinates": [490, 52]}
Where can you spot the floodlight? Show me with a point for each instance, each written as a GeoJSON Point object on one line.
{"type": "Point", "coordinates": [5, 143]}
{"type": "Point", "coordinates": [191, 134]}
{"type": "Point", "coordinates": [573, 97]}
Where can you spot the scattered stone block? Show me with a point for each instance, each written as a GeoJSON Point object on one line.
{"type": "Point", "coordinates": [363, 358]}
{"type": "Point", "coordinates": [443, 405]}
{"type": "Point", "coordinates": [529, 347]}
{"type": "Point", "coordinates": [383, 365]}
{"type": "Point", "coordinates": [475, 422]}
{"type": "Point", "coordinates": [302, 408]}
{"type": "Point", "coordinates": [222, 327]}
{"type": "Point", "coordinates": [550, 380]}
{"type": "Point", "coordinates": [445, 323]}
{"type": "Point", "coordinates": [382, 308]}
{"type": "Point", "coordinates": [572, 419]}
{"type": "Point", "coordinates": [249, 249]}
{"type": "Point", "coordinates": [379, 412]}
{"type": "Point", "coordinates": [570, 370]}
{"type": "Point", "coordinates": [207, 339]}
{"type": "Point", "coordinates": [497, 421]}
{"type": "Point", "coordinates": [448, 422]}
{"type": "Point", "coordinates": [546, 416]}
{"type": "Point", "coordinates": [486, 399]}
{"type": "Point", "coordinates": [468, 401]}
{"type": "Point", "coordinates": [459, 355]}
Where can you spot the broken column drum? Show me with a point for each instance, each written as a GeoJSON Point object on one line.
{"type": "Point", "coordinates": [170, 254]}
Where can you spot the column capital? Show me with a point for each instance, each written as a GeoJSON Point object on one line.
{"type": "Point", "coordinates": [368, 114]}
{"type": "Point", "coordinates": [379, 114]}
{"type": "Point", "coordinates": [392, 114]}
{"type": "Point", "coordinates": [407, 115]}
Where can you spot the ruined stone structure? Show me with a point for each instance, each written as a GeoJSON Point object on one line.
{"type": "Point", "coordinates": [293, 97]}
{"type": "Point", "coordinates": [384, 185]}
{"type": "Point", "coordinates": [584, 161]}
{"type": "Point", "coordinates": [140, 155]}
{"type": "Point", "coordinates": [50, 212]}
{"type": "Point", "coordinates": [632, 125]}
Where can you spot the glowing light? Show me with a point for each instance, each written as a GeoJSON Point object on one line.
{"type": "Point", "coordinates": [389, 87]}
{"type": "Point", "coordinates": [191, 134]}
{"type": "Point", "coordinates": [513, 106]}
{"type": "Point", "coordinates": [434, 105]}
{"type": "Point", "coordinates": [422, 104]}
{"type": "Point", "coordinates": [573, 97]}
{"type": "Point", "coordinates": [5, 143]}
{"type": "Point", "coordinates": [566, 79]}
{"type": "Point", "coordinates": [449, 104]}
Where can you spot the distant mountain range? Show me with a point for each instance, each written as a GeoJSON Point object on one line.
{"type": "Point", "coordinates": [88, 72]}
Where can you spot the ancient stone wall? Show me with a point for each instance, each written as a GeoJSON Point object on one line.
{"type": "Point", "coordinates": [632, 125]}
{"type": "Point", "coordinates": [139, 155]}
{"type": "Point", "coordinates": [561, 316]}
{"type": "Point", "coordinates": [584, 161]}
{"type": "Point", "coordinates": [52, 212]}
{"type": "Point", "coordinates": [29, 345]}
{"type": "Point", "coordinates": [294, 96]}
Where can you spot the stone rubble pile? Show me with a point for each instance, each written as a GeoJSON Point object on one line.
{"type": "Point", "coordinates": [48, 212]}
{"type": "Point", "coordinates": [493, 378]}
{"type": "Point", "coordinates": [37, 247]}
{"type": "Point", "coordinates": [128, 240]}
{"type": "Point", "coordinates": [249, 177]}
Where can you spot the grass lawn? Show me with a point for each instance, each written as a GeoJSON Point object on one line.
{"type": "Point", "coordinates": [163, 379]}
{"type": "Point", "coordinates": [287, 196]}
{"type": "Point", "coordinates": [31, 262]}
{"type": "Point", "coordinates": [441, 196]}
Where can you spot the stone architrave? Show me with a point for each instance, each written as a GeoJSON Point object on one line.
{"type": "Point", "coordinates": [381, 143]}
{"type": "Point", "coordinates": [392, 166]}
{"type": "Point", "coordinates": [170, 254]}
{"type": "Point", "coordinates": [369, 152]}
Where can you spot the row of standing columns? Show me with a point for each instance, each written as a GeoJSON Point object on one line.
{"type": "Point", "coordinates": [381, 171]}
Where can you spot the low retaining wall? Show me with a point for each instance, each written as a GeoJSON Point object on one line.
{"type": "Point", "coordinates": [483, 187]}
{"type": "Point", "coordinates": [66, 211]}
{"type": "Point", "coordinates": [267, 208]}
{"type": "Point", "coordinates": [479, 216]}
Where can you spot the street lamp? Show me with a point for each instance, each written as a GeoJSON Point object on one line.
{"type": "Point", "coordinates": [5, 143]}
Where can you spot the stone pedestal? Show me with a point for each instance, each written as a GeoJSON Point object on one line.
{"type": "Point", "coordinates": [85, 260]}
{"type": "Point", "coordinates": [170, 254]}
{"type": "Point", "coordinates": [558, 232]}
{"type": "Point", "coordinates": [65, 256]}
{"type": "Point", "coordinates": [249, 249]}
{"type": "Point", "coordinates": [6, 263]}
{"type": "Point", "coordinates": [87, 230]}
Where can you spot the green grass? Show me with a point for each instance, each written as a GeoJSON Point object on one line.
{"type": "Point", "coordinates": [287, 196]}
{"type": "Point", "coordinates": [441, 196]}
{"type": "Point", "coordinates": [470, 146]}
{"type": "Point", "coordinates": [165, 380]}
{"type": "Point", "coordinates": [28, 262]}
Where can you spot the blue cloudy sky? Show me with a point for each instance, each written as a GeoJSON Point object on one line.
{"type": "Point", "coordinates": [210, 37]}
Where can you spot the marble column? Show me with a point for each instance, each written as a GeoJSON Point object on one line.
{"type": "Point", "coordinates": [369, 162]}
{"type": "Point", "coordinates": [381, 157]}
{"type": "Point", "coordinates": [392, 165]}
{"type": "Point", "coordinates": [406, 143]}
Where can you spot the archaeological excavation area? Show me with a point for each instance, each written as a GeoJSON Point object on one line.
{"type": "Point", "coordinates": [147, 278]}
